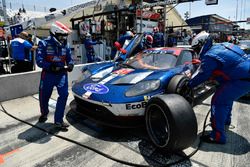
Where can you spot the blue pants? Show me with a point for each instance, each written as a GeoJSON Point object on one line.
{"type": "Point", "coordinates": [47, 83]}
{"type": "Point", "coordinates": [90, 56]}
{"type": "Point", "coordinates": [221, 106]}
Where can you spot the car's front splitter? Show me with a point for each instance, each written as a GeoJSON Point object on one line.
{"type": "Point", "coordinates": [102, 115]}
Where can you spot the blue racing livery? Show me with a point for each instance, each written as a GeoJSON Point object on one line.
{"type": "Point", "coordinates": [96, 88]}
{"type": "Point", "coordinates": [111, 91]}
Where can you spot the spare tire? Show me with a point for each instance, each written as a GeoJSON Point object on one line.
{"type": "Point", "coordinates": [171, 123]}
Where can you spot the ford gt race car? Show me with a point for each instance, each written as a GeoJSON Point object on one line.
{"type": "Point", "coordinates": [144, 88]}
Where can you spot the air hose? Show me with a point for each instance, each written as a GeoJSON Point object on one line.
{"type": "Point", "coordinates": [102, 153]}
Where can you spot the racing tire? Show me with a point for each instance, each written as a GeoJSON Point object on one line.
{"type": "Point", "coordinates": [178, 85]}
{"type": "Point", "coordinates": [171, 123]}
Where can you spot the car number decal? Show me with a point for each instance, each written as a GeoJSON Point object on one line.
{"type": "Point", "coordinates": [96, 88]}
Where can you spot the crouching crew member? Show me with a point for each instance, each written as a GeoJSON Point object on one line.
{"type": "Point", "coordinates": [229, 66]}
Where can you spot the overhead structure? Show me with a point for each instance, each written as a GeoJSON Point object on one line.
{"type": "Point", "coordinates": [55, 15]}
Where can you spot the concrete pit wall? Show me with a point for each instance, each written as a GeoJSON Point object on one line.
{"type": "Point", "coordinates": [18, 85]}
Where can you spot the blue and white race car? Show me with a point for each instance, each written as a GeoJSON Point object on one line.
{"type": "Point", "coordinates": [146, 87]}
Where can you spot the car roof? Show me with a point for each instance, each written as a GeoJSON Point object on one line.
{"type": "Point", "coordinates": [175, 50]}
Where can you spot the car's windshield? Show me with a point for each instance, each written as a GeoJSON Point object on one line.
{"type": "Point", "coordinates": [153, 60]}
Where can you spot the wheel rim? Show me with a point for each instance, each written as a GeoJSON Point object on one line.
{"type": "Point", "coordinates": [157, 125]}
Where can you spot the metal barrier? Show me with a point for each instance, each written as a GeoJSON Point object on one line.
{"type": "Point", "coordinates": [24, 84]}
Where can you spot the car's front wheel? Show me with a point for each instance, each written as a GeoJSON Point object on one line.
{"type": "Point", "coordinates": [171, 122]}
{"type": "Point", "coordinates": [177, 85]}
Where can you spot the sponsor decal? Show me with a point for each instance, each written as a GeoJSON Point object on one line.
{"type": "Point", "coordinates": [50, 17]}
{"type": "Point", "coordinates": [96, 88]}
{"type": "Point", "coordinates": [188, 73]}
{"type": "Point", "coordinates": [148, 14]}
{"type": "Point", "coordinates": [78, 7]}
{"type": "Point", "coordinates": [159, 51]}
{"type": "Point", "coordinates": [63, 51]}
{"type": "Point", "coordinates": [123, 71]}
{"type": "Point", "coordinates": [160, 3]}
{"type": "Point", "coordinates": [146, 98]}
{"type": "Point", "coordinates": [56, 59]}
{"type": "Point", "coordinates": [50, 50]}
{"type": "Point", "coordinates": [136, 106]}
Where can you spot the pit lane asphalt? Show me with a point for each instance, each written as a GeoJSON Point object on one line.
{"type": "Point", "coordinates": [25, 146]}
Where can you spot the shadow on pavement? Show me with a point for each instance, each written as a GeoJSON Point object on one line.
{"type": "Point", "coordinates": [245, 100]}
{"type": "Point", "coordinates": [236, 145]}
{"type": "Point", "coordinates": [34, 135]}
{"type": "Point", "coordinates": [135, 139]}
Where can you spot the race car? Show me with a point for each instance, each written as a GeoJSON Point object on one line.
{"type": "Point", "coordinates": [147, 88]}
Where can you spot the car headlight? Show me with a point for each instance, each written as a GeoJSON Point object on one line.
{"type": "Point", "coordinates": [85, 74]}
{"type": "Point", "coordinates": [143, 88]}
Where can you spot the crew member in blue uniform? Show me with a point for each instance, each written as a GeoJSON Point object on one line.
{"type": "Point", "coordinates": [88, 42]}
{"type": "Point", "coordinates": [227, 64]}
{"type": "Point", "coordinates": [54, 57]}
{"type": "Point", "coordinates": [146, 43]}
{"type": "Point", "coordinates": [128, 35]}
{"type": "Point", "coordinates": [19, 46]}
{"type": "Point", "coordinates": [158, 38]}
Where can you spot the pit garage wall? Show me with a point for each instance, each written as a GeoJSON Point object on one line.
{"type": "Point", "coordinates": [24, 84]}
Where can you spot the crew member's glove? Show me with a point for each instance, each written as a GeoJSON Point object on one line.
{"type": "Point", "coordinates": [70, 67]}
{"type": "Point", "coordinates": [54, 68]}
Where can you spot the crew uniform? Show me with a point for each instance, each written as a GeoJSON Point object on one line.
{"type": "Point", "coordinates": [23, 61]}
{"type": "Point", "coordinates": [230, 66]}
{"type": "Point", "coordinates": [128, 35]}
{"type": "Point", "coordinates": [158, 38]}
{"type": "Point", "coordinates": [52, 57]}
{"type": "Point", "coordinates": [88, 42]}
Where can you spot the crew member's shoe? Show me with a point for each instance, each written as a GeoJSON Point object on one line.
{"type": "Point", "coordinates": [42, 119]}
{"type": "Point", "coordinates": [62, 126]}
{"type": "Point", "coordinates": [208, 139]}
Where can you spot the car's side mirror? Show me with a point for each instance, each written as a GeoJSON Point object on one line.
{"type": "Point", "coordinates": [196, 61]}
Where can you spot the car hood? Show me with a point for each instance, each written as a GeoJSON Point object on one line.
{"type": "Point", "coordinates": [111, 83]}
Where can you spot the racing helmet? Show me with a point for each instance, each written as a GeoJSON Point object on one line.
{"type": "Point", "coordinates": [202, 42]}
{"type": "Point", "coordinates": [149, 39]}
{"type": "Point", "coordinates": [156, 29]}
{"type": "Point", "coordinates": [88, 36]}
{"type": "Point", "coordinates": [60, 32]}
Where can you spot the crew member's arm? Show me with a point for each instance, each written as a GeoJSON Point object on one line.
{"type": "Point", "coordinates": [69, 59]}
{"type": "Point", "coordinates": [208, 65]}
{"type": "Point", "coordinates": [34, 48]}
{"type": "Point", "coordinates": [40, 56]}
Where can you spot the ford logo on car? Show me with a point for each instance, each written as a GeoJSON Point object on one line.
{"type": "Point", "coordinates": [96, 88]}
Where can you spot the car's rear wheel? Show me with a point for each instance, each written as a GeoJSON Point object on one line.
{"type": "Point", "coordinates": [177, 85]}
{"type": "Point", "coordinates": [170, 122]}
